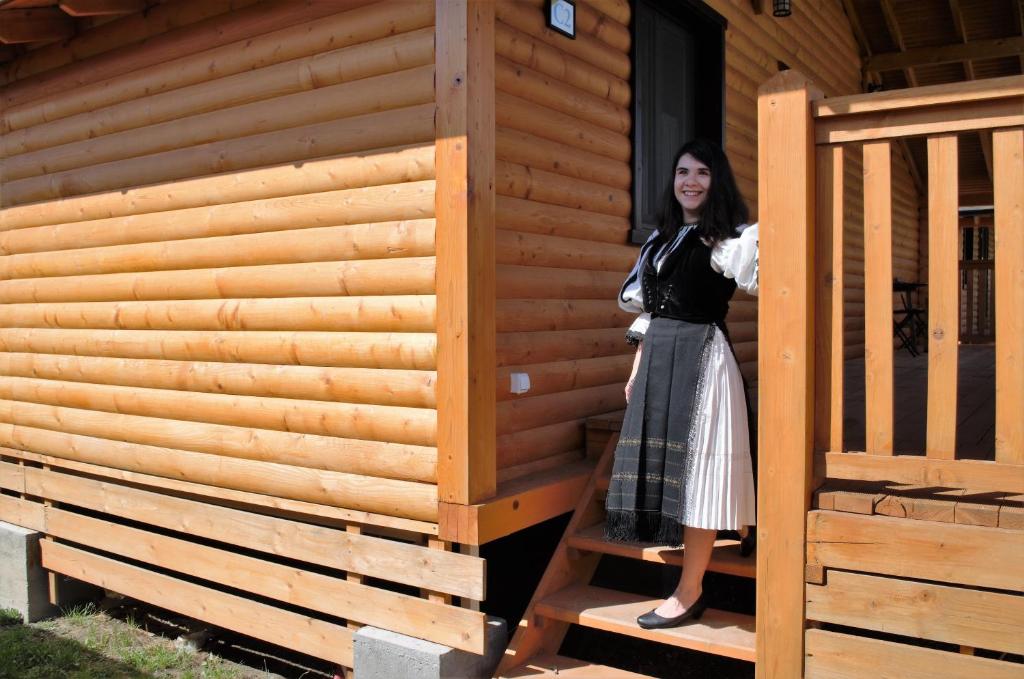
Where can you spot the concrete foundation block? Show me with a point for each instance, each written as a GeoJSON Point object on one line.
{"type": "Point", "coordinates": [380, 654]}
{"type": "Point", "coordinates": [24, 583]}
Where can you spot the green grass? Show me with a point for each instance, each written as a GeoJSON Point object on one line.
{"type": "Point", "coordinates": [87, 644]}
{"type": "Point", "coordinates": [9, 616]}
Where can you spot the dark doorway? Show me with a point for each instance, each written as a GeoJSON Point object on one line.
{"type": "Point", "coordinates": [678, 94]}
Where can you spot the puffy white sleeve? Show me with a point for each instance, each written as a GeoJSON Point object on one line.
{"type": "Point", "coordinates": [631, 296]}
{"type": "Point", "coordinates": [737, 258]}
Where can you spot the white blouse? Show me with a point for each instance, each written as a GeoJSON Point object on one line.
{"type": "Point", "coordinates": [734, 258]}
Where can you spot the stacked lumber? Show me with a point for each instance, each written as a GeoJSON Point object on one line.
{"type": "Point", "coordinates": [562, 217]}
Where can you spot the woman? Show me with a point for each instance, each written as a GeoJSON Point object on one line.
{"type": "Point", "coordinates": [682, 465]}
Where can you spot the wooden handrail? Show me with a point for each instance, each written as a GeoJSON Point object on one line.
{"type": "Point", "coordinates": [940, 109]}
{"type": "Point", "coordinates": [916, 97]}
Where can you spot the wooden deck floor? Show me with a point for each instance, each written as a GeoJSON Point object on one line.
{"type": "Point", "coordinates": [975, 409]}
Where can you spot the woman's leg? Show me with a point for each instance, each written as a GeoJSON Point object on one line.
{"type": "Point", "coordinates": [697, 553]}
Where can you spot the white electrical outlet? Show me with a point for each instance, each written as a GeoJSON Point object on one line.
{"type": "Point", "coordinates": [520, 383]}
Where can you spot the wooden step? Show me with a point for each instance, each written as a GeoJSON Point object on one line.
{"type": "Point", "coordinates": [570, 668]}
{"type": "Point", "coordinates": [718, 632]}
{"type": "Point", "coordinates": [724, 559]}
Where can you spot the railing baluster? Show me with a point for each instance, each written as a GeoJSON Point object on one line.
{"type": "Point", "coordinates": [943, 295]}
{"type": "Point", "coordinates": [828, 314]}
{"type": "Point", "coordinates": [878, 342]}
{"type": "Point", "coordinates": [1008, 171]}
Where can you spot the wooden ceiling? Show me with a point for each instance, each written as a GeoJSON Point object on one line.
{"type": "Point", "coordinates": [907, 43]}
{"type": "Point", "coordinates": [25, 24]}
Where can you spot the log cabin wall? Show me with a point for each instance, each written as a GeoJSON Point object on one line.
{"type": "Point", "coordinates": [563, 183]}
{"type": "Point", "coordinates": [562, 179]}
{"type": "Point", "coordinates": [230, 256]}
{"type": "Point", "coordinates": [217, 276]}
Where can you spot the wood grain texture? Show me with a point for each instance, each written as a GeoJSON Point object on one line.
{"type": "Point", "coordinates": [465, 251]}
{"type": "Point", "coordinates": [1008, 149]}
{"type": "Point", "coordinates": [786, 176]}
{"type": "Point", "coordinates": [878, 296]}
{"type": "Point", "coordinates": [943, 296]}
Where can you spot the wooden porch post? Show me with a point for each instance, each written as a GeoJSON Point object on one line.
{"type": "Point", "coordinates": [786, 183]}
{"type": "Point", "coordinates": [464, 238]}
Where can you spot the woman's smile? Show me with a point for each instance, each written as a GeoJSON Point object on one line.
{"type": "Point", "coordinates": [692, 183]}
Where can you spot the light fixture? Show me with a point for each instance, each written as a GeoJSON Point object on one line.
{"type": "Point", "coordinates": [781, 8]}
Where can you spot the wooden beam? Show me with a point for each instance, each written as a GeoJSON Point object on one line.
{"type": "Point", "coordinates": [88, 8]}
{"type": "Point", "coordinates": [943, 296]}
{"type": "Point", "coordinates": [833, 654]}
{"type": "Point", "coordinates": [922, 610]}
{"type": "Point", "coordinates": [945, 54]}
{"type": "Point", "coordinates": [35, 25]}
{"type": "Point", "coordinates": [465, 200]}
{"type": "Point", "coordinates": [268, 623]}
{"type": "Point", "coordinates": [916, 470]}
{"type": "Point", "coordinates": [893, 24]}
{"type": "Point", "coordinates": [786, 180]}
{"type": "Point", "coordinates": [980, 556]}
{"type": "Point", "coordinates": [1009, 280]}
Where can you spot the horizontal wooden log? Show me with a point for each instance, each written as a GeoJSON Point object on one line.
{"type": "Point", "coordinates": [515, 247]}
{"type": "Point", "coordinates": [534, 86]}
{"type": "Point", "coordinates": [102, 411]}
{"type": "Point", "coordinates": [524, 447]}
{"type": "Point", "coordinates": [618, 10]}
{"type": "Point", "coordinates": [242, 51]}
{"type": "Point", "coordinates": [43, 24]}
{"type": "Point", "coordinates": [358, 172]}
{"type": "Point", "coordinates": [411, 388]}
{"type": "Point", "coordinates": [307, 635]}
{"type": "Point", "coordinates": [459, 627]}
{"type": "Point", "coordinates": [530, 20]}
{"type": "Point", "coordinates": [539, 411]}
{"type": "Point", "coordinates": [526, 49]}
{"type": "Point", "coordinates": [414, 427]}
{"type": "Point", "coordinates": [916, 609]}
{"type": "Point", "coordinates": [536, 282]}
{"type": "Point", "coordinates": [411, 125]}
{"type": "Point", "coordinates": [458, 574]}
{"type": "Point", "coordinates": [402, 351]}
{"type": "Point", "coordinates": [322, 105]}
{"type": "Point", "coordinates": [927, 550]}
{"type": "Point", "coordinates": [520, 114]}
{"type": "Point", "coordinates": [520, 181]}
{"type": "Point", "coordinates": [405, 276]}
{"type": "Point", "coordinates": [529, 216]}
{"type": "Point", "coordinates": [344, 65]}
{"type": "Point", "coordinates": [408, 313]}
{"type": "Point", "coordinates": [411, 238]}
{"type": "Point", "coordinates": [404, 499]}
{"type": "Point", "coordinates": [544, 154]}
{"type": "Point", "coordinates": [833, 654]}
{"type": "Point", "coordinates": [123, 34]}
{"type": "Point", "coordinates": [548, 378]}
{"type": "Point", "coordinates": [528, 315]}
{"type": "Point", "coordinates": [519, 348]}
{"type": "Point", "coordinates": [258, 502]}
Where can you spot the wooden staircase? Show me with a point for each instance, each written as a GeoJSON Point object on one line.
{"type": "Point", "coordinates": [565, 596]}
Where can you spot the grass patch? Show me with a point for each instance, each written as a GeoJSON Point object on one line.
{"type": "Point", "coordinates": [9, 616]}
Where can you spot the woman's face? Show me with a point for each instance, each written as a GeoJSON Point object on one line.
{"type": "Point", "coordinates": [692, 184]}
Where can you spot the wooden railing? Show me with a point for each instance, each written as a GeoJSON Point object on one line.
{"type": "Point", "coordinates": [805, 144]}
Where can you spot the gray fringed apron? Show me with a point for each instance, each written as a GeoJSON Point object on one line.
{"type": "Point", "coordinates": [653, 461]}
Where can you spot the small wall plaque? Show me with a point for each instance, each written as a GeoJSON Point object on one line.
{"type": "Point", "coordinates": [562, 17]}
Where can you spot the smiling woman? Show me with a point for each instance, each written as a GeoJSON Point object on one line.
{"type": "Point", "coordinates": [682, 465]}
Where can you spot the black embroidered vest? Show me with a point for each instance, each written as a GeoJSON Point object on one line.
{"type": "Point", "coordinates": [687, 288]}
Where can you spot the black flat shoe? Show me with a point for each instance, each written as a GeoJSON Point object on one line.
{"type": "Point", "coordinates": [652, 620]}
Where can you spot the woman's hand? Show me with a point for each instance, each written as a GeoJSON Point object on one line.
{"type": "Point", "coordinates": [632, 374]}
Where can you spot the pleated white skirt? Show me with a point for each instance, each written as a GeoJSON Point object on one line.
{"type": "Point", "coordinates": [721, 488]}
